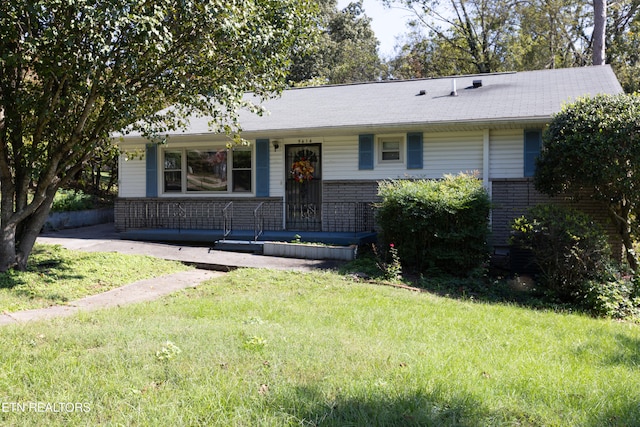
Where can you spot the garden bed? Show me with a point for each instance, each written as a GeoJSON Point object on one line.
{"type": "Point", "coordinates": [310, 251]}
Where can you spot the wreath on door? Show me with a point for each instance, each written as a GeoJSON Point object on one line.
{"type": "Point", "coordinates": [302, 168]}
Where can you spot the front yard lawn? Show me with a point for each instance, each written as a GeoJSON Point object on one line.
{"type": "Point", "coordinates": [260, 347]}
{"type": "Point", "coordinates": [56, 276]}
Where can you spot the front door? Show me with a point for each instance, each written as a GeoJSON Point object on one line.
{"type": "Point", "coordinates": [304, 187]}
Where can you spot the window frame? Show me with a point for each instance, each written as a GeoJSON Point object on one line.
{"type": "Point", "coordinates": [229, 191]}
{"type": "Point", "coordinates": [381, 139]}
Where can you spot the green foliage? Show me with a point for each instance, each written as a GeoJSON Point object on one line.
{"type": "Point", "coordinates": [388, 262]}
{"type": "Point", "coordinates": [436, 224]}
{"type": "Point", "coordinates": [584, 134]}
{"type": "Point", "coordinates": [592, 147]}
{"type": "Point", "coordinates": [615, 297]}
{"type": "Point", "coordinates": [71, 200]}
{"type": "Point", "coordinates": [569, 248]}
{"type": "Point", "coordinates": [476, 33]}
{"type": "Point", "coordinates": [72, 73]}
{"type": "Point", "coordinates": [345, 50]}
{"type": "Point", "coordinates": [471, 36]}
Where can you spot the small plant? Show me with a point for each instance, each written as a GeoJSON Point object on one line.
{"type": "Point", "coordinates": [612, 298]}
{"type": "Point", "coordinates": [255, 343]}
{"type": "Point", "coordinates": [168, 352]}
{"type": "Point", "coordinates": [389, 263]}
{"type": "Point", "coordinates": [297, 239]}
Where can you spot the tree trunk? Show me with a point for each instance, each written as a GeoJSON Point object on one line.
{"type": "Point", "coordinates": [8, 257]}
{"type": "Point", "coordinates": [29, 231]}
{"type": "Point", "coordinates": [17, 238]}
{"type": "Point", "coordinates": [599, 29]}
{"type": "Point", "coordinates": [621, 220]}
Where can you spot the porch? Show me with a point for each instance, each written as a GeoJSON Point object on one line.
{"type": "Point", "coordinates": [244, 220]}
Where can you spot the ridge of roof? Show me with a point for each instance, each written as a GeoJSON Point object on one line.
{"type": "Point", "coordinates": [448, 77]}
{"type": "Point", "coordinates": [392, 81]}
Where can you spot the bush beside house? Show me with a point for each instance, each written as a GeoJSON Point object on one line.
{"type": "Point", "coordinates": [436, 225]}
{"type": "Point", "coordinates": [574, 259]}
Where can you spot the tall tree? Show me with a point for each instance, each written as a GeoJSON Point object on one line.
{"type": "Point", "coordinates": [477, 31]}
{"type": "Point", "coordinates": [345, 51]}
{"type": "Point", "coordinates": [599, 27]}
{"type": "Point", "coordinates": [74, 71]}
{"type": "Point", "coordinates": [521, 35]}
{"type": "Point", "coordinates": [420, 56]}
{"type": "Point", "coordinates": [551, 34]}
{"type": "Point", "coordinates": [623, 42]}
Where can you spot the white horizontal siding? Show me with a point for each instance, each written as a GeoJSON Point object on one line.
{"type": "Point", "coordinates": [444, 153]}
{"type": "Point", "coordinates": [452, 153]}
{"type": "Point", "coordinates": [276, 170]}
{"type": "Point", "coordinates": [132, 177]}
{"type": "Point", "coordinates": [506, 154]}
{"type": "Point", "coordinates": [340, 160]}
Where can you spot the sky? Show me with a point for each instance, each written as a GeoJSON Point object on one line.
{"type": "Point", "coordinates": [386, 23]}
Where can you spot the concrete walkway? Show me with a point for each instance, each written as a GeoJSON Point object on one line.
{"type": "Point", "coordinates": [104, 238]}
{"type": "Point", "coordinates": [143, 290]}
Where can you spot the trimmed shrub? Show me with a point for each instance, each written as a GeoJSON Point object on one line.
{"type": "Point", "coordinates": [569, 248]}
{"type": "Point", "coordinates": [436, 225]}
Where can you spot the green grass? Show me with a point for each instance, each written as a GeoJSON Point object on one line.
{"type": "Point", "coordinates": [265, 348]}
{"type": "Point", "coordinates": [56, 276]}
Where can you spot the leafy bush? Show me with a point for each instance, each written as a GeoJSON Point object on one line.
{"type": "Point", "coordinates": [611, 298]}
{"type": "Point", "coordinates": [436, 224]}
{"type": "Point", "coordinates": [71, 200]}
{"type": "Point", "coordinates": [569, 248]}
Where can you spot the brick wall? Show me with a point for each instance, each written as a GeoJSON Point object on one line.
{"type": "Point", "coordinates": [512, 197]}
{"type": "Point", "coordinates": [350, 191]}
{"type": "Point", "coordinates": [347, 205]}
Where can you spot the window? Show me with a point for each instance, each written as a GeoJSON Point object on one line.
{"type": "Point", "coordinates": [390, 149]}
{"type": "Point", "coordinates": [216, 170]}
{"type": "Point", "coordinates": [241, 173]}
{"type": "Point", "coordinates": [207, 170]}
{"type": "Point", "coordinates": [172, 171]}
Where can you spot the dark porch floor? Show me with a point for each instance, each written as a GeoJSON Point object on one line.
{"type": "Point", "coordinates": [211, 236]}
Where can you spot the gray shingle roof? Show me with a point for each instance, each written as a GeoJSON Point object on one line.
{"type": "Point", "coordinates": [503, 97]}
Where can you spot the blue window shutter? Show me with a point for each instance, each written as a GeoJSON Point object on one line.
{"type": "Point", "coordinates": [414, 151]}
{"type": "Point", "coordinates": [532, 147]}
{"type": "Point", "coordinates": [151, 157]}
{"type": "Point", "coordinates": [366, 152]}
{"type": "Point", "coordinates": [262, 168]}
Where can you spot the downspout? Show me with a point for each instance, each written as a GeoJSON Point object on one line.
{"type": "Point", "coordinates": [486, 172]}
{"type": "Point", "coordinates": [486, 164]}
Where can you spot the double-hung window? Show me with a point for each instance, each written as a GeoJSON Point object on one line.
{"type": "Point", "coordinates": [172, 171]}
{"type": "Point", "coordinates": [208, 170]}
{"type": "Point", "coordinates": [390, 149]}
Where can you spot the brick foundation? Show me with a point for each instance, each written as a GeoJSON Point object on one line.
{"type": "Point", "coordinates": [512, 197]}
